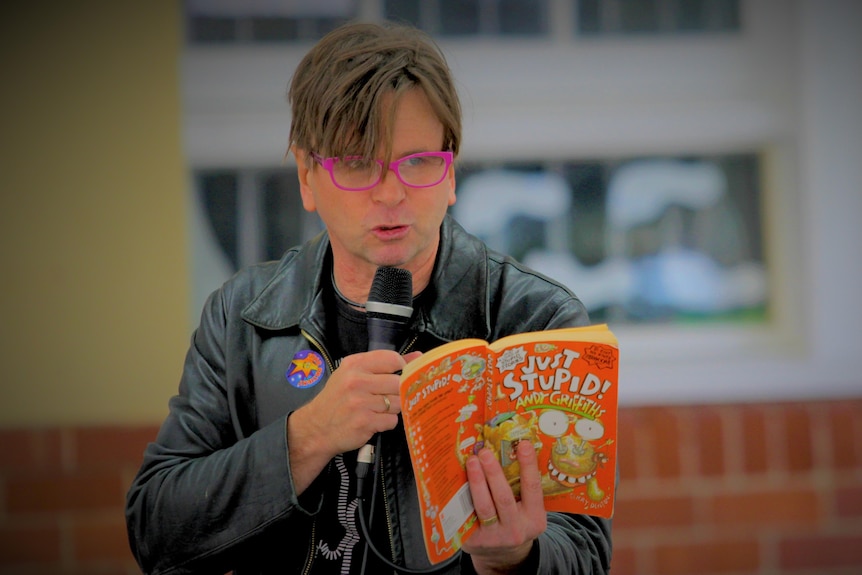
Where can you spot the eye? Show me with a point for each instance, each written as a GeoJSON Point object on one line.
{"type": "Point", "coordinates": [588, 429]}
{"type": "Point", "coordinates": [356, 163]}
{"type": "Point", "coordinates": [553, 423]}
{"type": "Point", "coordinates": [416, 161]}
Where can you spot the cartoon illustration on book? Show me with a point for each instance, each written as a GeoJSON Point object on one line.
{"type": "Point", "coordinates": [555, 389]}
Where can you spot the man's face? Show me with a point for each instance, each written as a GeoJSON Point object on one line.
{"type": "Point", "coordinates": [390, 224]}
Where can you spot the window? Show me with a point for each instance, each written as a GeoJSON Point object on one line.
{"type": "Point", "coordinates": [655, 239]}
{"type": "Point", "coordinates": [657, 16]}
{"type": "Point", "coordinates": [472, 17]}
{"type": "Point", "coordinates": [266, 21]}
{"type": "Point", "coordinates": [252, 214]}
{"type": "Point", "coordinates": [658, 239]}
{"type": "Point", "coordinates": [261, 21]}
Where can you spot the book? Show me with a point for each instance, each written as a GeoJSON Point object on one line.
{"type": "Point", "coordinates": [556, 388]}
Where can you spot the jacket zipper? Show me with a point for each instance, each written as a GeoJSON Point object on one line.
{"type": "Point", "coordinates": [330, 365]}
{"type": "Point", "coordinates": [404, 349]}
{"type": "Point", "coordinates": [388, 517]}
{"type": "Point", "coordinates": [320, 348]}
{"type": "Point", "coordinates": [310, 559]}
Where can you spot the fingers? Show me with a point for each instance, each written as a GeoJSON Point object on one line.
{"type": "Point", "coordinates": [483, 502]}
{"type": "Point", "coordinates": [532, 497]}
{"type": "Point", "coordinates": [507, 527]}
{"type": "Point", "coordinates": [492, 493]}
{"type": "Point", "coordinates": [359, 399]}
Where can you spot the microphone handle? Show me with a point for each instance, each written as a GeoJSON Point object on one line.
{"type": "Point", "coordinates": [384, 333]}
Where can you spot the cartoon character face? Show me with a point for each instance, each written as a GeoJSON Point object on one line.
{"type": "Point", "coordinates": [573, 458]}
{"type": "Point", "coordinates": [471, 366]}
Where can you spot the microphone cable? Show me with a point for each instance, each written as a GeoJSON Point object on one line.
{"type": "Point", "coordinates": [367, 458]}
{"type": "Point", "coordinates": [388, 309]}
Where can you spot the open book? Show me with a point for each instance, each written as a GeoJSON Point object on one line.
{"type": "Point", "coordinates": [555, 388]}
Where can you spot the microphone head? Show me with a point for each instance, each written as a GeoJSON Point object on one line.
{"type": "Point", "coordinates": [391, 293]}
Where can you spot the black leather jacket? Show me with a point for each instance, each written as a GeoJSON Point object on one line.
{"type": "Point", "coordinates": [214, 491]}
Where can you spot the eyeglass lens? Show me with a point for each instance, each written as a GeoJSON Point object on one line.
{"type": "Point", "coordinates": [416, 170]}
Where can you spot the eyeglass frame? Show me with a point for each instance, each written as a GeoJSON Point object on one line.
{"type": "Point", "coordinates": [329, 163]}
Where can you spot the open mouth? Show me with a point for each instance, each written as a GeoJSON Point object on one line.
{"type": "Point", "coordinates": [391, 232]}
{"type": "Point", "coordinates": [567, 479]}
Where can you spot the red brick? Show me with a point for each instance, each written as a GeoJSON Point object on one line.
{"type": "Point", "coordinates": [784, 507]}
{"type": "Point", "coordinates": [848, 501]}
{"type": "Point", "coordinates": [624, 561]}
{"type": "Point", "coordinates": [64, 492]}
{"type": "Point", "coordinates": [709, 441]}
{"type": "Point", "coordinates": [102, 540]}
{"type": "Point", "coordinates": [798, 444]}
{"type": "Point", "coordinates": [29, 545]}
{"type": "Point", "coordinates": [111, 446]}
{"type": "Point", "coordinates": [653, 512]}
{"type": "Point", "coordinates": [659, 450]}
{"type": "Point", "coordinates": [820, 552]}
{"type": "Point", "coordinates": [755, 453]}
{"type": "Point", "coordinates": [707, 557]}
{"type": "Point", "coordinates": [627, 444]}
{"type": "Point", "coordinates": [844, 420]}
{"type": "Point", "coordinates": [30, 449]}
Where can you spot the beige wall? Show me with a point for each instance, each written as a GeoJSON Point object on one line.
{"type": "Point", "coordinates": [93, 313]}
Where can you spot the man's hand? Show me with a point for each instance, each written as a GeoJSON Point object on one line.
{"type": "Point", "coordinates": [502, 545]}
{"type": "Point", "coordinates": [359, 399]}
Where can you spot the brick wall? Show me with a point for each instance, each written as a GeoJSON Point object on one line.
{"type": "Point", "coordinates": [733, 489]}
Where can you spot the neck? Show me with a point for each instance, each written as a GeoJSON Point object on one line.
{"type": "Point", "coordinates": [343, 297]}
{"type": "Point", "coordinates": [352, 276]}
{"type": "Point", "coordinates": [353, 287]}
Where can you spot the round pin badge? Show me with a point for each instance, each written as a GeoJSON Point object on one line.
{"type": "Point", "coordinates": [306, 369]}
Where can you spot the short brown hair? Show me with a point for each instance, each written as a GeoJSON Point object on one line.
{"type": "Point", "coordinates": [337, 91]}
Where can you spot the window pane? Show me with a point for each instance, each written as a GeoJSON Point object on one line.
{"type": "Point", "coordinates": [640, 240]}
{"type": "Point", "coordinates": [202, 29]}
{"type": "Point", "coordinates": [326, 25]}
{"type": "Point", "coordinates": [274, 29]}
{"type": "Point", "coordinates": [657, 16]}
{"type": "Point", "coordinates": [403, 11]}
{"type": "Point", "coordinates": [523, 17]}
{"type": "Point", "coordinates": [690, 15]}
{"type": "Point", "coordinates": [459, 17]}
{"type": "Point", "coordinates": [264, 20]}
{"type": "Point", "coordinates": [284, 221]}
{"type": "Point", "coordinates": [723, 15]}
{"type": "Point", "coordinates": [218, 196]}
{"type": "Point", "coordinates": [589, 16]}
{"type": "Point", "coordinates": [639, 15]}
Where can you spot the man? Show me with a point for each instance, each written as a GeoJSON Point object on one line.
{"type": "Point", "coordinates": [253, 469]}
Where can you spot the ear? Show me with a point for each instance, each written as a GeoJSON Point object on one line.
{"type": "Point", "coordinates": [451, 178]}
{"type": "Point", "coordinates": [304, 173]}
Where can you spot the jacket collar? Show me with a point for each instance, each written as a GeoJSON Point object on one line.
{"type": "Point", "coordinates": [459, 288]}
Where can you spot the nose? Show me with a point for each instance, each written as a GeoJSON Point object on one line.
{"type": "Point", "coordinates": [389, 190]}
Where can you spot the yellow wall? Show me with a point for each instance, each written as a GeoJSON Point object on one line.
{"type": "Point", "coordinates": [93, 257]}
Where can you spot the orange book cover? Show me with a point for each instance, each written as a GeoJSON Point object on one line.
{"type": "Point", "coordinates": [555, 388]}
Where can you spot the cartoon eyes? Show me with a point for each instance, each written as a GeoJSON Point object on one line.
{"type": "Point", "coordinates": [589, 429]}
{"type": "Point", "coordinates": [553, 423]}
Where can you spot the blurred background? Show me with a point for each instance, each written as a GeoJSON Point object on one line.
{"type": "Point", "coordinates": [692, 169]}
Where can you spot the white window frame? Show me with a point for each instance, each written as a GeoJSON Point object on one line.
{"type": "Point", "coordinates": [788, 85]}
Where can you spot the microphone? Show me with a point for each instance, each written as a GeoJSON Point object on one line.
{"type": "Point", "coordinates": [389, 307]}
{"type": "Point", "coordinates": [387, 311]}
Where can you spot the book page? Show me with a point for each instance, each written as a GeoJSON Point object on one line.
{"type": "Point", "coordinates": [442, 404]}
{"type": "Point", "coordinates": [560, 393]}
{"type": "Point", "coordinates": [556, 389]}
